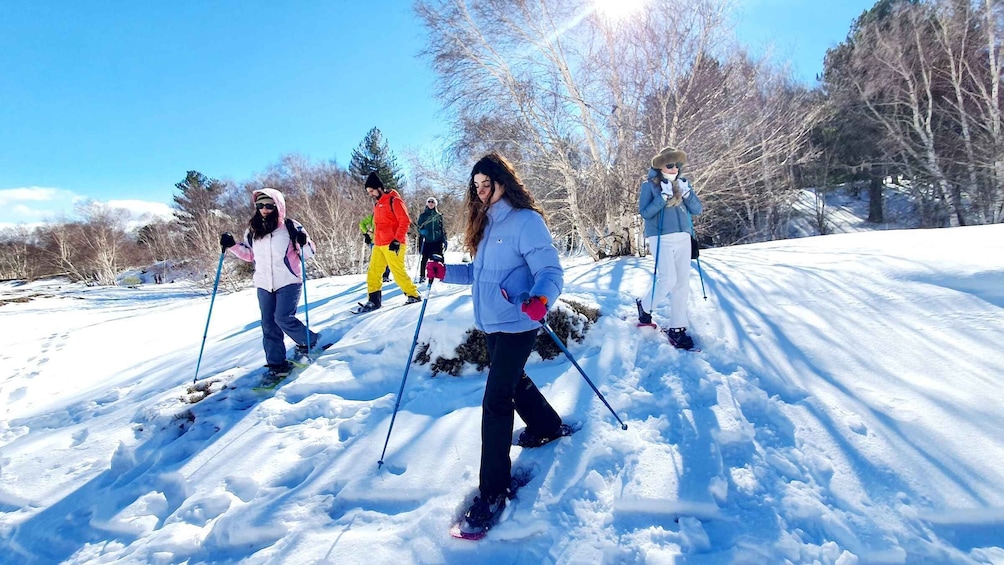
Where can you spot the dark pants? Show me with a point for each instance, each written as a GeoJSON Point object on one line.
{"type": "Point", "coordinates": [278, 317]}
{"type": "Point", "coordinates": [508, 389]}
{"type": "Point", "coordinates": [429, 248]}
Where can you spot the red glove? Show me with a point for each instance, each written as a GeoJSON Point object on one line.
{"type": "Point", "coordinates": [535, 307]}
{"type": "Point", "coordinates": [435, 270]}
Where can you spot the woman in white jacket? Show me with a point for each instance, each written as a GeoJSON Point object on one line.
{"type": "Point", "coordinates": [274, 245]}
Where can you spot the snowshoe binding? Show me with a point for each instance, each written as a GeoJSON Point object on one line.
{"type": "Point", "coordinates": [644, 318]}
{"type": "Point", "coordinates": [679, 339]}
{"type": "Point", "coordinates": [528, 439]}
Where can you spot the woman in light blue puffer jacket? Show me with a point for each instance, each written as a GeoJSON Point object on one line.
{"type": "Point", "coordinates": [515, 275]}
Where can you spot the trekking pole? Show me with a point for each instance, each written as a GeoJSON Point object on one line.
{"type": "Point", "coordinates": [699, 272]}
{"type": "Point", "coordinates": [407, 367]}
{"type": "Point", "coordinates": [655, 270]}
{"type": "Point", "coordinates": [216, 285]}
{"type": "Point", "coordinates": [564, 350]}
{"type": "Point", "coordinates": [306, 304]}
{"type": "Point", "coordinates": [701, 275]}
{"type": "Point", "coordinates": [421, 253]}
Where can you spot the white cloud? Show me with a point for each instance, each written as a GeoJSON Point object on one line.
{"type": "Point", "coordinates": [30, 193]}
{"type": "Point", "coordinates": [36, 205]}
{"type": "Point", "coordinates": [139, 208]}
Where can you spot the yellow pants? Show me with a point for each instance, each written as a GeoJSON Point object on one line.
{"type": "Point", "coordinates": [380, 259]}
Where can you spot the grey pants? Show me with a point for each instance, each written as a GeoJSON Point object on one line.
{"type": "Point", "coordinates": [278, 317]}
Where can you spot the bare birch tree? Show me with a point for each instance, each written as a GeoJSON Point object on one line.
{"type": "Point", "coordinates": [929, 73]}
{"type": "Point", "coordinates": [582, 103]}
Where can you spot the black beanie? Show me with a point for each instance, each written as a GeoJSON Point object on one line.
{"type": "Point", "coordinates": [373, 181]}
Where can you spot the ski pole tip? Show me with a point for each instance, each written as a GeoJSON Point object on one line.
{"type": "Point", "coordinates": [379, 463]}
{"type": "Point", "coordinates": [623, 426]}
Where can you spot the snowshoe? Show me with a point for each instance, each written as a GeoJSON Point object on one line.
{"type": "Point", "coordinates": [528, 439]}
{"type": "Point", "coordinates": [275, 375]}
{"type": "Point", "coordinates": [679, 339]}
{"type": "Point", "coordinates": [302, 352]}
{"type": "Point", "coordinates": [644, 318]}
{"type": "Point", "coordinates": [482, 515]}
{"type": "Point", "coordinates": [363, 308]}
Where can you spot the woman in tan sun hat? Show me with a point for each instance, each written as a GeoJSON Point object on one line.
{"type": "Point", "coordinates": [666, 201]}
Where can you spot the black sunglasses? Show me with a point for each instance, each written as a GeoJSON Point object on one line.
{"type": "Point", "coordinates": [261, 205]}
{"type": "Point", "coordinates": [672, 165]}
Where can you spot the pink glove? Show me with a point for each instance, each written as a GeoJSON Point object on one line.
{"type": "Point", "coordinates": [535, 307]}
{"type": "Point", "coordinates": [434, 270]}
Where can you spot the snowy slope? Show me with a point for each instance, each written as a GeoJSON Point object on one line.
{"type": "Point", "coordinates": [846, 408]}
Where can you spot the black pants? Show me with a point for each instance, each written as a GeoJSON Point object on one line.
{"type": "Point", "coordinates": [429, 248]}
{"type": "Point", "coordinates": [509, 389]}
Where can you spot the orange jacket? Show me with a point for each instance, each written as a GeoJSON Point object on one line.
{"type": "Point", "coordinates": [390, 219]}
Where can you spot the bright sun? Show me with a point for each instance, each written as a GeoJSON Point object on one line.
{"type": "Point", "coordinates": [616, 10]}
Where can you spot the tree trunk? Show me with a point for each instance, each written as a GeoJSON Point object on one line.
{"type": "Point", "coordinates": [875, 206]}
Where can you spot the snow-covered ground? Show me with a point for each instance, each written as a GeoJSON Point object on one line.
{"type": "Point", "coordinates": [847, 408]}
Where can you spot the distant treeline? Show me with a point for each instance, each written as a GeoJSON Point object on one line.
{"type": "Point", "coordinates": [913, 97]}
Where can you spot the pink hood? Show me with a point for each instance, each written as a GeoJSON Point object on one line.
{"type": "Point", "coordinates": [280, 201]}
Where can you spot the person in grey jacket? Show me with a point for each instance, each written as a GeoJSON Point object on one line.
{"type": "Point", "coordinates": [666, 201]}
{"type": "Point", "coordinates": [515, 276]}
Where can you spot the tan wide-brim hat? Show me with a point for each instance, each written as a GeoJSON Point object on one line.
{"type": "Point", "coordinates": [668, 155]}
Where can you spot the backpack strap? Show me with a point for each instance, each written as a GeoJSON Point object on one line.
{"type": "Point", "coordinates": [292, 236]}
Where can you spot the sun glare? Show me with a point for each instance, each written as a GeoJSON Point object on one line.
{"type": "Point", "coordinates": [617, 10]}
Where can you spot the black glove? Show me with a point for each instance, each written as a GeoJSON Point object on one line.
{"type": "Point", "coordinates": [367, 239]}
{"type": "Point", "coordinates": [227, 240]}
{"type": "Point", "coordinates": [301, 237]}
{"type": "Point", "coordinates": [394, 246]}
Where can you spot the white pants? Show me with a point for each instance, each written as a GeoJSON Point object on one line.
{"type": "Point", "coordinates": [672, 276]}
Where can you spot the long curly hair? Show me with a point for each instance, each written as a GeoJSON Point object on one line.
{"type": "Point", "coordinates": [500, 171]}
{"type": "Point", "coordinates": [259, 226]}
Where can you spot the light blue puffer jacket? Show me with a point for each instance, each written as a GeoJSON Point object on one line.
{"type": "Point", "coordinates": [516, 259]}
{"type": "Point", "coordinates": [674, 218]}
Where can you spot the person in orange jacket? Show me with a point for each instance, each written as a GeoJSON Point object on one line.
{"type": "Point", "coordinates": [390, 229]}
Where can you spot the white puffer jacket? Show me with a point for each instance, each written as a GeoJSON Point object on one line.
{"type": "Point", "coordinates": [276, 258]}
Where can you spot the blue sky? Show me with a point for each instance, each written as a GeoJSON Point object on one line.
{"type": "Point", "coordinates": [115, 100]}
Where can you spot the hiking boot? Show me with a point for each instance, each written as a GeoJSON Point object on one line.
{"type": "Point", "coordinates": [368, 307]}
{"type": "Point", "coordinates": [679, 338]}
{"type": "Point", "coordinates": [485, 511]}
{"type": "Point", "coordinates": [302, 351]}
{"type": "Point", "coordinates": [280, 370]}
{"type": "Point", "coordinates": [413, 299]}
{"type": "Point", "coordinates": [643, 316]}
{"type": "Point", "coordinates": [529, 439]}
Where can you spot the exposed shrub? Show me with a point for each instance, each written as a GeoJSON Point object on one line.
{"type": "Point", "coordinates": [570, 320]}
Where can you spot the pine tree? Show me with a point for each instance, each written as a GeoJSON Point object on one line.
{"type": "Point", "coordinates": [198, 213]}
{"type": "Point", "coordinates": [373, 154]}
